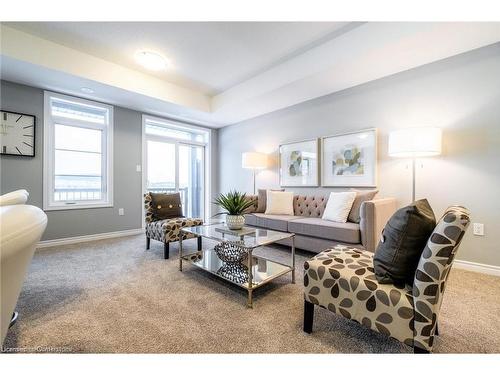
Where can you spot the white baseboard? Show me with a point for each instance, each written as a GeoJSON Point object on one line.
{"type": "Point", "coordinates": [477, 267]}
{"type": "Point", "coordinates": [91, 237]}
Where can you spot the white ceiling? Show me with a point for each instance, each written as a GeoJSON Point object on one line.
{"type": "Point", "coordinates": [225, 73]}
{"type": "Point", "coordinates": [206, 56]}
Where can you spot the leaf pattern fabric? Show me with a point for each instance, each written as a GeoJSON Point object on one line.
{"type": "Point", "coordinates": [342, 280]}
{"type": "Point", "coordinates": [432, 273]}
{"type": "Point", "coordinates": [167, 230]}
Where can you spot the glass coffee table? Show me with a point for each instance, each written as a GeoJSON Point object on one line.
{"type": "Point", "coordinates": [250, 273]}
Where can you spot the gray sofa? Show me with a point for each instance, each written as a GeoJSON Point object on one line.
{"type": "Point", "coordinates": [315, 234]}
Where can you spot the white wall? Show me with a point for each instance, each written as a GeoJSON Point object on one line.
{"type": "Point", "coordinates": [460, 94]}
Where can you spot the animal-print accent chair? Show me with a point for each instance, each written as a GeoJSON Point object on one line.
{"type": "Point", "coordinates": [342, 280]}
{"type": "Point", "coordinates": [167, 230]}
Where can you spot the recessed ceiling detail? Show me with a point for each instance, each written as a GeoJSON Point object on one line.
{"type": "Point", "coordinates": [224, 72]}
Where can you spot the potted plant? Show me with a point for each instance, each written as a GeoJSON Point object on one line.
{"type": "Point", "coordinates": [235, 204]}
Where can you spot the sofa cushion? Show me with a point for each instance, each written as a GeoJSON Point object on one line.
{"type": "Point", "coordinates": [338, 206]}
{"type": "Point", "coordinates": [273, 222]}
{"type": "Point", "coordinates": [262, 200]}
{"type": "Point", "coordinates": [279, 203]}
{"type": "Point", "coordinates": [168, 230]}
{"type": "Point", "coordinates": [315, 227]}
{"type": "Point", "coordinates": [251, 219]}
{"type": "Point", "coordinates": [361, 196]}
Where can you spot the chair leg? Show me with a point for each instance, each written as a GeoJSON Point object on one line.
{"type": "Point", "coordinates": [13, 320]}
{"type": "Point", "coordinates": [417, 350]}
{"type": "Point", "coordinates": [199, 243]}
{"type": "Point", "coordinates": [148, 242]}
{"type": "Point", "coordinates": [308, 316]}
{"type": "Point", "coordinates": [436, 332]}
{"type": "Point", "coordinates": [166, 250]}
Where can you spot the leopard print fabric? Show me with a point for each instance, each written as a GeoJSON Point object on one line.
{"type": "Point", "coordinates": [432, 273]}
{"type": "Point", "coordinates": [342, 280]}
{"type": "Point", "coordinates": [169, 230]}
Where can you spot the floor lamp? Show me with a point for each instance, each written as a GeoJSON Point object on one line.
{"type": "Point", "coordinates": [415, 143]}
{"type": "Point", "coordinates": [254, 161]}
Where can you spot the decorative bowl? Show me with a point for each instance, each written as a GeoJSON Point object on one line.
{"type": "Point", "coordinates": [230, 252]}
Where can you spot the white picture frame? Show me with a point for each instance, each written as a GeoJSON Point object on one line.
{"type": "Point", "coordinates": [299, 163]}
{"type": "Point", "coordinates": [349, 159]}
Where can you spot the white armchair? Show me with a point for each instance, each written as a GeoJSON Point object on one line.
{"type": "Point", "coordinates": [21, 227]}
{"type": "Point", "coordinates": [14, 197]}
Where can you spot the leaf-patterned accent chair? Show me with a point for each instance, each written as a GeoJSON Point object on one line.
{"type": "Point", "coordinates": [342, 280]}
{"type": "Point", "coordinates": [167, 230]}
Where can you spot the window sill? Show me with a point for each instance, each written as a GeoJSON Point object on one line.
{"type": "Point", "coordinates": [77, 207]}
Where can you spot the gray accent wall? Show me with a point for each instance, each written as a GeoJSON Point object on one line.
{"type": "Point", "coordinates": [460, 94]}
{"type": "Point", "coordinates": [27, 173]}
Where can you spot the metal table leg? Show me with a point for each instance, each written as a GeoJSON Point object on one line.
{"type": "Point", "coordinates": [180, 251]}
{"type": "Point", "coordinates": [293, 260]}
{"type": "Point", "coordinates": [250, 280]}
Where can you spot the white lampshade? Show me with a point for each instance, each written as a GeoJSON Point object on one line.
{"type": "Point", "coordinates": [415, 142]}
{"type": "Point", "coordinates": [254, 160]}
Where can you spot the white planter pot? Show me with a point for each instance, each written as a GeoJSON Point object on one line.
{"type": "Point", "coordinates": [235, 222]}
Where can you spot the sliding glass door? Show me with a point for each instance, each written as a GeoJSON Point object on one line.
{"type": "Point", "coordinates": [175, 162]}
{"type": "Point", "coordinates": [161, 166]}
{"type": "Point", "coordinates": [191, 178]}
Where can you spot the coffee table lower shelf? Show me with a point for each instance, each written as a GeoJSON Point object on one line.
{"type": "Point", "coordinates": [250, 274]}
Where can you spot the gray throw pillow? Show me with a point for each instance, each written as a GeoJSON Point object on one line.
{"type": "Point", "coordinates": [402, 242]}
{"type": "Point", "coordinates": [361, 196]}
{"type": "Point", "coordinates": [262, 200]}
{"type": "Point", "coordinates": [166, 206]}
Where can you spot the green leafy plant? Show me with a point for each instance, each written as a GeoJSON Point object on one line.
{"type": "Point", "coordinates": [234, 202]}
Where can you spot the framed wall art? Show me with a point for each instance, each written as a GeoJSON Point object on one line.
{"type": "Point", "coordinates": [350, 160]}
{"type": "Point", "coordinates": [299, 163]}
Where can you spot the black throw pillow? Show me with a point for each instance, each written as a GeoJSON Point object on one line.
{"type": "Point", "coordinates": [166, 206]}
{"type": "Point", "coordinates": [402, 242]}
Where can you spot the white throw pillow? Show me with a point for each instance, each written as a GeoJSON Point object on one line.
{"type": "Point", "coordinates": [279, 203]}
{"type": "Point", "coordinates": [338, 206]}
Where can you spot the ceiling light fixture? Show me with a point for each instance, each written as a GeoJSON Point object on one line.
{"type": "Point", "coordinates": [151, 60]}
{"type": "Point", "coordinates": [87, 90]}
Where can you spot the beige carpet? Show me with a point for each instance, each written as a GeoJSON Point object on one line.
{"type": "Point", "coordinates": [113, 296]}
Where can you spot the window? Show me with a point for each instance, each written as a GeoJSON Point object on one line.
{"type": "Point", "coordinates": [78, 151]}
{"type": "Point", "coordinates": [175, 157]}
{"type": "Point", "coordinates": [168, 129]}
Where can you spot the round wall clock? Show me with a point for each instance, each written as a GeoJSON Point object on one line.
{"type": "Point", "coordinates": [17, 134]}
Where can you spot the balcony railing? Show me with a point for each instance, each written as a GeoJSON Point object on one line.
{"type": "Point", "coordinates": [61, 195]}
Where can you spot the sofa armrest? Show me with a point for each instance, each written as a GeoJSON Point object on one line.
{"type": "Point", "coordinates": [374, 215]}
{"type": "Point", "coordinates": [14, 197]}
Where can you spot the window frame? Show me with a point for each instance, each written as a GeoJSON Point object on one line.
{"type": "Point", "coordinates": [177, 125]}
{"type": "Point", "coordinates": [49, 152]}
